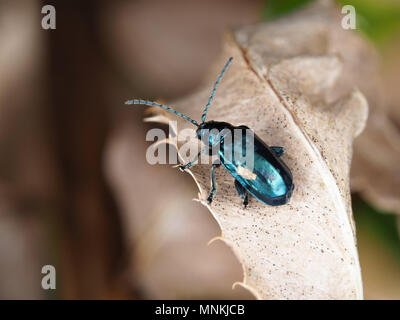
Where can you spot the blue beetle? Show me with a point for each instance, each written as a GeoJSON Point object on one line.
{"type": "Point", "coordinates": [270, 180]}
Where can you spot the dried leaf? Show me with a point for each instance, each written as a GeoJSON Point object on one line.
{"type": "Point", "coordinates": [279, 86]}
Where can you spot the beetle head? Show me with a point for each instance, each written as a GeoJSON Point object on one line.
{"type": "Point", "coordinates": [211, 132]}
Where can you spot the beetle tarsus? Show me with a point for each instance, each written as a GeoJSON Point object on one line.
{"type": "Point", "coordinates": [243, 194]}
{"type": "Point", "coordinates": [246, 201]}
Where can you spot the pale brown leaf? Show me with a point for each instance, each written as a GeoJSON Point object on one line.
{"type": "Point", "coordinates": [305, 249]}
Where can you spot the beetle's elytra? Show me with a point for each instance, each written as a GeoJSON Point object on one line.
{"type": "Point", "coordinates": [270, 180]}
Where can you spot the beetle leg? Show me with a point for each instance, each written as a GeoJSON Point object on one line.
{"type": "Point", "coordinates": [242, 193]}
{"type": "Point", "coordinates": [213, 183]}
{"type": "Point", "coordinates": [193, 162]}
{"type": "Point", "coordinates": [279, 151]}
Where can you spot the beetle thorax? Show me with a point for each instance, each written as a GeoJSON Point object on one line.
{"type": "Point", "coordinates": [211, 132]}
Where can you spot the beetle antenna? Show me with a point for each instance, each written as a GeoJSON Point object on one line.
{"type": "Point", "coordinates": [203, 117]}
{"type": "Point", "coordinates": [155, 104]}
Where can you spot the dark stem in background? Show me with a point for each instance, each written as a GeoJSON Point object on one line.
{"type": "Point", "coordinates": [79, 82]}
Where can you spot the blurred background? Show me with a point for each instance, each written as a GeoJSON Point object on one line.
{"type": "Point", "coordinates": [75, 189]}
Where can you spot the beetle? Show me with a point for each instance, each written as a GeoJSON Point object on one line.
{"type": "Point", "coordinates": [270, 180]}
